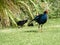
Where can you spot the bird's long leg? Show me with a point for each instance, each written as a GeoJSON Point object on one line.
{"type": "Point", "coordinates": [41, 27]}
{"type": "Point", "coordinates": [38, 26]}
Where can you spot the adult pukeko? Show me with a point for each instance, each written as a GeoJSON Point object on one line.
{"type": "Point", "coordinates": [41, 19]}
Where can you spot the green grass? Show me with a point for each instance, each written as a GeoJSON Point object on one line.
{"type": "Point", "coordinates": [31, 35]}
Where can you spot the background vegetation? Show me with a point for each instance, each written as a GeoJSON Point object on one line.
{"type": "Point", "coordinates": [12, 11]}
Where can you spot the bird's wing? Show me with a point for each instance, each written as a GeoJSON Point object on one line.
{"type": "Point", "coordinates": [37, 17]}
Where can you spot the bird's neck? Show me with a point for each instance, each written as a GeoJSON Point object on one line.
{"type": "Point", "coordinates": [44, 14]}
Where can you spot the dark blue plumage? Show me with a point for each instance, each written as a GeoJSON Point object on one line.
{"type": "Point", "coordinates": [41, 19]}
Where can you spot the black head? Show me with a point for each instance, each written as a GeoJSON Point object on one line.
{"type": "Point", "coordinates": [30, 24]}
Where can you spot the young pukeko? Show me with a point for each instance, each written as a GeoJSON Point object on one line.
{"type": "Point", "coordinates": [21, 23]}
{"type": "Point", "coordinates": [41, 19]}
{"type": "Point", "coordinates": [30, 24]}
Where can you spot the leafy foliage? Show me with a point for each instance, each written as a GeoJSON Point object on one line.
{"type": "Point", "coordinates": [20, 9]}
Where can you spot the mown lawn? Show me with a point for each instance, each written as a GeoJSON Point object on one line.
{"type": "Point", "coordinates": [31, 35]}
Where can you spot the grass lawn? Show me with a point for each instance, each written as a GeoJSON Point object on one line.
{"type": "Point", "coordinates": [31, 35]}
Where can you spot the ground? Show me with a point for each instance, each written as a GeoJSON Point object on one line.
{"type": "Point", "coordinates": [31, 35]}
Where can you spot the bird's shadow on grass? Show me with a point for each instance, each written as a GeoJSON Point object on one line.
{"type": "Point", "coordinates": [31, 31]}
